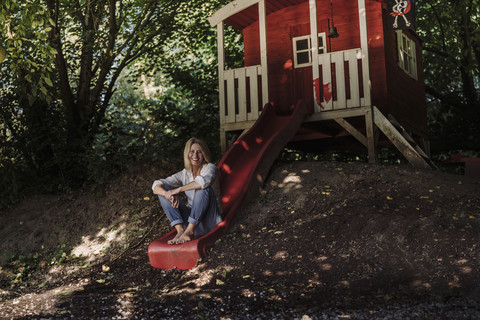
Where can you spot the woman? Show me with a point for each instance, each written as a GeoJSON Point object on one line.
{"type": "Point", "coordinates": [197, 180]}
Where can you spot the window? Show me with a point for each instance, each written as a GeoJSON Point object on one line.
{"type": "Point", "coordinates": [302, 49]}
{"type": "Point", "coordinates": [407, 59]}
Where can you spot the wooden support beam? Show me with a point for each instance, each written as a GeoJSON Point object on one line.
{"type": "Point", "coordinates": [398, 140]}
{"type": "Point", "coordinates": [235, 126]}
{"type": "Point", "coordinates": [371, 139]}
{"type": "Point", "coordinates": [229, 127]}
{"type": "Point", "coordinates": [330, 115]}
{"type": "Point", "coordinates": [405, 134]}
{"type": "Point", "coordinates": [352, 130]}
{"type": "Point", "coordinates": [223, 140]}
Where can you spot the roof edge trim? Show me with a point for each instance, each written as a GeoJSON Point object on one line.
{"type": "Point", "coordinates": [229, 10]}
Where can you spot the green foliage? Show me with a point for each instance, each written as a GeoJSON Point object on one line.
{"type": "Point", "coordinates": [167, 96]}
{"type": "Point", "coordinates": [451, 31]}
{"type": "Point", "coordinates": [88, 90]}
{"type": "Point", "coordinates": [24, 30]}
{"type": "Point", "coordinates": [63, 59]}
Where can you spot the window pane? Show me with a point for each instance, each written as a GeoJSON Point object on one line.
{"type": "Point", "coordinates": [303, 57]}
{"type": "Point", "coordinates": [320, 42]}
{"type": "Point", "coordinates": [302, 44]}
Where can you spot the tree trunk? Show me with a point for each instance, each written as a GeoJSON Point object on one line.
{"type": "Point", "coordinates": [466, 57]}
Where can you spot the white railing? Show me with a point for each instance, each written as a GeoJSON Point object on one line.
{"type": "Point", "coordinates": [241, 99]}
{"type": "Point", "coordinates": [343, 85]}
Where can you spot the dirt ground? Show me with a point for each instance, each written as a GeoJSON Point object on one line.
{"type": "Point", "coordinates": [320, 236]}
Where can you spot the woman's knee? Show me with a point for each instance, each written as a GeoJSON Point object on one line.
{"type": "Point", "coordinates": [208, 191]}
{"type": "Point", "coordinates": [164, 202]}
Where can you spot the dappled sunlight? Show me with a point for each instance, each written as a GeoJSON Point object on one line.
{"type": "Point", "coordinates": [226, 168]}
{"type": "Point", "coordinates": [49, 299]}
{"type": "Point", "coordinates": [280, 255]}
{"type": "Point", "coordinates": [91, 247]}
{"type": "Point", "coordinates": [326, 267]}
{"type": "Point", "coordinates": [197, 278]}
{"type": "Point", "coordinates": [267, 273]}
{"type": "Point", "coordinates": [247, 293]}
{"type": "Point", "coordinates": [292, 179]}
{"type": "Point", "coordinates": [245, 145]}
{"type": "Point", "coordinates": [455, 282]}
{"type": "Point", "coordinates": [226, 199]}
{"type": "Point", "coordinates": [465, 270]}
{"type": "Point", "coordinates": [418, 283]}
{"type": "Point", "coordinates": [321, 258]}
{"type": "Point", "coordinates": [291, 182]}
{"type": "Point", "coordinates": [288, 65]}
{"type": "Point", "coordinates": [345, 283]}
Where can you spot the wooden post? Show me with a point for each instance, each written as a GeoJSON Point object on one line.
{"type": "Point", "coordinates": [262, 24]}
{"type": "Point", "coordinates": [369, 121]}
{"type": "Point", "coordinates": [314, 39]}
{"type": "Point", "coordinates": [362, 15]}
{"type": "Point", "coordinates": [223, 140]}
{"type": "Point", "coordinates": [221, 83]}
{"type": "Point", "coordinates": [221, 68]}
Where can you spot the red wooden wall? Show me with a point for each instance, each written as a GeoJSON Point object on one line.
{"type": "Point", "coordinates": [286, 84]}
{"type": "Point", "coordinates": [393, 91]}
{"type": "Point", "coordinates": [406, 96]}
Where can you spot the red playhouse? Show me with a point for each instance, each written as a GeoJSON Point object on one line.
{"type": "Point", "coordinates": [317, 74]}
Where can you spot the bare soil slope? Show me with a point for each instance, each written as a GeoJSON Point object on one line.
{"type": "Point", "coordinates": [322, 238]}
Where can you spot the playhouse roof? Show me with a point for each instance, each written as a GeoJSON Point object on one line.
{"type": "Point", "coordinates": [241, 13]}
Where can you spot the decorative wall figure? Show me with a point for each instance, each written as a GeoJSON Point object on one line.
{"type": "Point", "coordinates": [404, 9]}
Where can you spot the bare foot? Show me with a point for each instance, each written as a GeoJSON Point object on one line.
{"type": "Point", "coordinates": [185, 237]}
{"type": "Point", "coordinates": [175, 239]}
{"type": "Point", "coordinates": [180, 231]}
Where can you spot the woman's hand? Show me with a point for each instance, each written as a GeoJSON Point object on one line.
{"type": "Point", "coordinates": [170, 193]}
{"type": "Point", "coordinates": [175, 201]}
{"type": "Point", "coordinates": [172, 196]}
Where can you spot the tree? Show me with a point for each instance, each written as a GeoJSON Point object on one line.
{"type": "Point", "coordinates": [451, 31]}
{"type": "Point", "coordinates": [75, 51]}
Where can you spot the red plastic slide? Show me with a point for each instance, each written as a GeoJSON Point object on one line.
{"type": "Point", "coordinates": [243, 169]}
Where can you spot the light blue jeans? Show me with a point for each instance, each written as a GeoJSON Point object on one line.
{"type": "Point", "coordinates": [204, 212]}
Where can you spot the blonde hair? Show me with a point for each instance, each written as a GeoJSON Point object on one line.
{"type": "Point", "coordinates": [205, 151]}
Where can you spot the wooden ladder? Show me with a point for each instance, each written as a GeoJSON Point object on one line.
{"type": "Point", "coordinates": [402, 140]}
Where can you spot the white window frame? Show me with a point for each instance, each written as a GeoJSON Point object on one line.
{"type": "Point", "coordinates": [407, 54]}
{"type": "Point", "coordinates": [321, 49]}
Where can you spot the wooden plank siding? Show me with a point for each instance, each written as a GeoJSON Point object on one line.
{"type": "Point", "coordinates": [360, 71]}
{"type": "Point", "coordinates": [286, 85]}
{"type": "Point", "coordinates": [406, 96]}
{"type": "Point", "coordinates": [377, 55]}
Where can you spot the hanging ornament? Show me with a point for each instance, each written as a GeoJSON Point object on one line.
{"type": "Point", "coordinates": [332, 31]}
